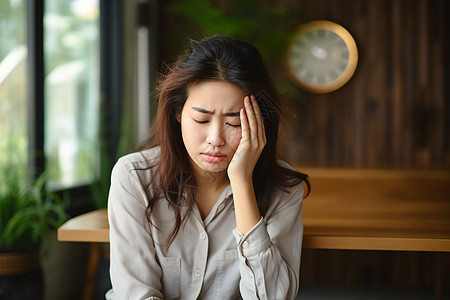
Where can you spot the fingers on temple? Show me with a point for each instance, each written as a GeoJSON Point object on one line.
{"type": "Point", "coordinates": [252, 121]}
{"type": "Point", "coordinates": [244, 122]}
{"type": "Point", "coordinates": [260, 120]}
{"type": "Point", "coordinates": [257, 122]}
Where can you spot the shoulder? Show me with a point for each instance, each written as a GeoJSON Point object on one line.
{"type": "Point", "coordinates": [291, 192]}
{"type": "Point", "coordinates": [140, 160]}
{"type": "Point", "coordinates": [292, 179]}
{"type": "Point", "coordinates": [133, 173]}
{"type": "Point", "coordinates": [285, 165]}
{"type": "Point", "coordinates": [137, 165]}
{"type": "Point", "coordinates": [289, 175]}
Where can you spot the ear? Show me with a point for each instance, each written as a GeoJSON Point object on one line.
{"type": "Point", "coordinates": [178, 117]}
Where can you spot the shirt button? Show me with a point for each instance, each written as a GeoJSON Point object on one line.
{"type": "Point", "coordinates": [221, 206]}
{"type": "Point", "coordinates": [197, 273]}
{"type": "Point", "coordinates": [203, 235]}
{"type": "Point", "coordinates": [245, 244]}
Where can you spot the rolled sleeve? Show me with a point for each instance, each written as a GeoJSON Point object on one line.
{"type": "Point", "coordinates": [255, 241]}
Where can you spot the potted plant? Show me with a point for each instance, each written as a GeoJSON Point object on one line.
{"type": "Point", "coordinates": [28, 215]}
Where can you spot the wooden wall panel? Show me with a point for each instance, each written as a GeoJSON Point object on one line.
{"type": "Point", "coordinates": [394, 112]}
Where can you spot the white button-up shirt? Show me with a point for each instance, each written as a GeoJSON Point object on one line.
{"type": "Point", "coordinates": [209, 258]}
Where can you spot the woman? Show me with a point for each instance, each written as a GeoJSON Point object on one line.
{"type": "Point", "coordinates": [204, 210]}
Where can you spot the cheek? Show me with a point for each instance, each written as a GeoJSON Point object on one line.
{"type": "Point", "coordinates": [194, 135]}
{"type": "Point", "coordinates": [234, 138]}
{"type": "Point", "coordinates": [191, 133]}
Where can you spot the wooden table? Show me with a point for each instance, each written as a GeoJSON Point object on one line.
{"type": "Point", "coordinates": [378, 210]}
{"type": "Point", "coordinates": [347, 209]}
{"type": "Point", "coordinates": [89, 227]}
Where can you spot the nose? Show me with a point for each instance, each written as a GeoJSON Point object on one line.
{"type": "Point", "coordinates": [216, 135]}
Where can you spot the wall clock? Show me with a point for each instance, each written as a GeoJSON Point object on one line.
{"type": "Point", "coordinates": [321, 56]}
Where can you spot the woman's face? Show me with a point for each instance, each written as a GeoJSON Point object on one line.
{"type": "Point", "coordinates": [210, 124]}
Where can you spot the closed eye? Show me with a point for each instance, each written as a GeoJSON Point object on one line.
{"type": "Point", "coordinates": [201, 122]}
{"type": "Point", "coordinates": [234, 125]}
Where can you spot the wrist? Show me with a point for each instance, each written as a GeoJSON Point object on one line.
{"type": "Point", "coordinates": [239, 174]}
{"type": "Point", "coordinates": [240, 179]}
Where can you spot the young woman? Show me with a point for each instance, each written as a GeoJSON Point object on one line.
{"type": "Point", "coordinates": [204, 210]}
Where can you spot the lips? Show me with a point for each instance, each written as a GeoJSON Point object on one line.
{"type": "Point", "coordinates": [213, 157]}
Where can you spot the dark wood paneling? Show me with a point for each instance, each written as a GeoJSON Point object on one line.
{"type": "Point", "coordinates": [394, 112]}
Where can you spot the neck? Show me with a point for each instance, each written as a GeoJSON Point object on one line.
{"type": "Point", "coordinates": [211, 181]}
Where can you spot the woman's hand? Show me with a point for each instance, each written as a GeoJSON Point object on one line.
{"type": "Point", "coordinates": [252, 142]}
{"type": "Point", "coordinates": [240, 170]}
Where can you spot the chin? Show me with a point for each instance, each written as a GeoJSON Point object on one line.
{"type": "Point", "coordinates": [213, 167]}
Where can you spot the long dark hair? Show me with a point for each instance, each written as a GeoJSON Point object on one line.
{"type": "Point", "coordinates": [216, 58]}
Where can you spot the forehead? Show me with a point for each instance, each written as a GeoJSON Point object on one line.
{"type": "Point", "coordinates": [215, 95]}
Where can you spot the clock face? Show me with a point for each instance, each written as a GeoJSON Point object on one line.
{"type": "Point", "coordinates": [321, 56]}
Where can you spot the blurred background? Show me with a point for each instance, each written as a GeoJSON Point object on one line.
{"type": "Point", "coordinates": [76, 84]}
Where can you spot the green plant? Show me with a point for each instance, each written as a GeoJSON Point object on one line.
{"type": "Point", "coordinates": [28, 212]}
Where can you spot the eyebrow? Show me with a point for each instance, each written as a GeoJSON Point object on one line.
{"type": "Point", "coordinates": [205, 111]}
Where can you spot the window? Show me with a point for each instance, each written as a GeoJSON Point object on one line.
{"type": "Point", "coordinates": [62, 90]}
{"type": "Point", "coordinates": [50, 77]}
{"type": "Point", "coordinates": [72, 91]}
{"type": "Point", "coordinates": [13, 81]}
{"type": "Point", "coordinates": [71, 85]}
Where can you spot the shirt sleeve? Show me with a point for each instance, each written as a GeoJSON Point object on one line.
{"type": "Point", "coordinates": [134, 272]}
{"type": "Point", "coordinates": [269, 254]}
